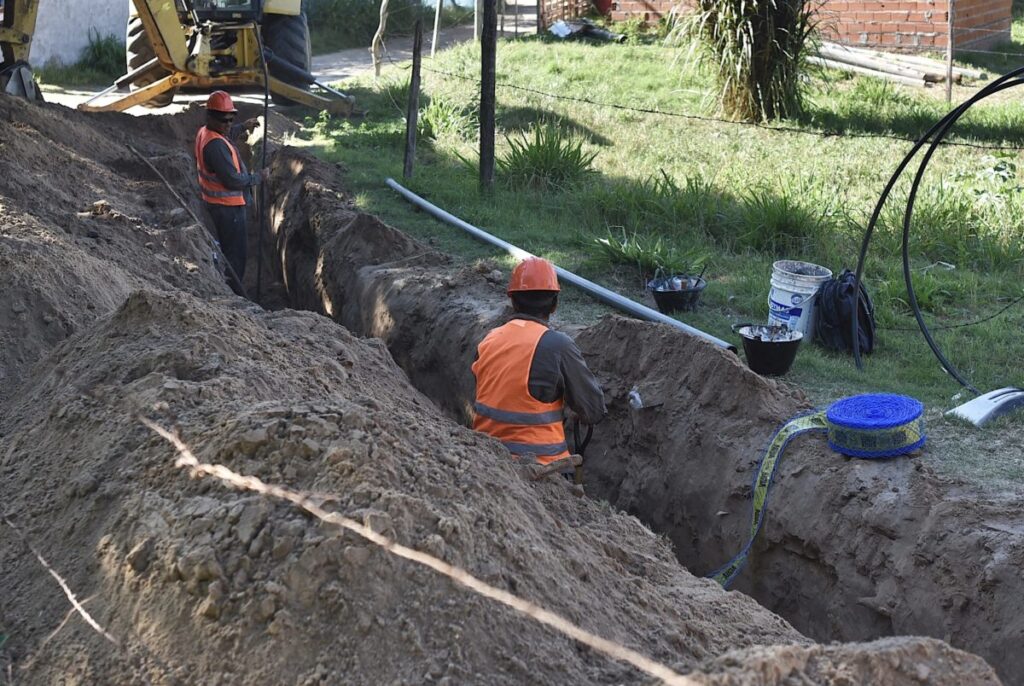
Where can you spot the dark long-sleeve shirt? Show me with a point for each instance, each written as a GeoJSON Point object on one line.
{"type": "Point", "coordinates": [559, 371]}
{"type": "Point", "coordinates": [217, 157]}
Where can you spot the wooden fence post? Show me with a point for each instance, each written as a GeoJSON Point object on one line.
{"type": "Point", "coordinates": [488, 49]}
{"type": "Point", "coordinates": [413, 111]}
{"type": "Point", "coordinates": [949, 53]}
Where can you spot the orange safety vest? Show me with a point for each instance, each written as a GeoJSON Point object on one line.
{"type": "Point", "coordinates": [504, 407]}
{"type": "Point", "coordinates": [212, 190]}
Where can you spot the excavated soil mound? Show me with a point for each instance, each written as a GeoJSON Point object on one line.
{"type": "Point", "coordinates": [852, 549]}
{"type": "Point", "coordinates": [200, 584]}
{"type": "Point", "coordinates": [84, 221]}
{"type": "Point", "coordinates": [227, 587]}
{"type": "Point", "coordinates": [64, 260]}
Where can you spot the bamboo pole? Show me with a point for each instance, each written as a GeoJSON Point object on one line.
{"type": "Point", "coordinates": [878, 64]}
{"type": "Point", "coordinates": [915, 60]}
{"type": "Point", "coordinates": [854, 69]}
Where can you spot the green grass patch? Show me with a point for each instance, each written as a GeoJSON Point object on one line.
{"type": "Point", "coordinates": [667, 189]}
{"type": "Point", "coordinates": [102, 61]}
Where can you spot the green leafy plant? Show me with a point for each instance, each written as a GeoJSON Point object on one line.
{"type": "Point", "coordinates": [776, 223]}
{"type": "Point", "coordinates": [878, 94]}
{"type": "Point", "coordinates": [546, 159]}
{"type": "Point", "coordinates": [444, 117]}
{"type": "Point", "coordinates": [756, 49]}
{"type": "Point", "coordinates": [649, 254]}
{"type": "Point", "coordinates": [104, 54]}
{"type": "Point", "coordinates": [101, 61]}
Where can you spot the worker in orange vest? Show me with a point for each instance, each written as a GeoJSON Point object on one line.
{"type": "Point", "coordinates": [224, 181]}
{"type": "Point", "coordinates": [526, 374]}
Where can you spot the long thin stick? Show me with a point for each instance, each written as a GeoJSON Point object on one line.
{"type": "Point", "coordinates": [437, 25]}
{"type": "Point", "coordinates": [949, 53]}
{"type": "Point", "coordinates": [413, 106]}
{"type": "Point", "coordinates": [378, 39]}
{"type": "Point", "coordinates": [63, 585]}
{"type": "Point", "coordinates": [615, 650]}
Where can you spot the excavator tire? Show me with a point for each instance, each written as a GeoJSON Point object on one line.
{"type": "Point", "coordinates": [138, 51]}
{"type": "Point", "coordinates": [287, 36]}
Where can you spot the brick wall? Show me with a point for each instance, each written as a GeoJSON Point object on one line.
{"type": "Point", "coordinates": [921, 23]}
{"type": "Point", "coordinates": [879, 23]}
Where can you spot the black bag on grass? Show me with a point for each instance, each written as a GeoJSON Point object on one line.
{"type": "Point", "coordinates": [837, 303]}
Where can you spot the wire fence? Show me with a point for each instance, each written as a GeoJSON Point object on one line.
{"type": "Point", "coordinates": [715, 120]}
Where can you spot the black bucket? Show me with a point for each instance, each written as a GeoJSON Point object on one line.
{"type": "Point", "coordinates": [684, 300]}
{"type": "Point", "coordinates": [770, 350]}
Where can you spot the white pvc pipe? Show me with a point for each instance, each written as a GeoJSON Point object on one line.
{"type": "Point", "coordinates": [600, 292]}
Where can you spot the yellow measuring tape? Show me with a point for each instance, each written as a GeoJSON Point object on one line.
{"type": "Point", "coordinates": [865, 426]}
{"type": "Point", "coordinates": [792, 429]}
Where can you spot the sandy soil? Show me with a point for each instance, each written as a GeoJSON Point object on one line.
{"type": "Point", "coordinates": [852, 549]}
{"type": "Point", "coordinates": [205, 585]}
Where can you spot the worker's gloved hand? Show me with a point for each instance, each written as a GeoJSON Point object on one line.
{"type": "Point", "coordinates": [251, 125]}
{"type": "Point", "coordinates": [264, 175]}
{"type": "Point", "coordinates": [570, 415]}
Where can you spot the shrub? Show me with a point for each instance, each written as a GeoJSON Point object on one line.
{"type": "Point", "coordinates": [756, 49]}
{"type": "Point", "coordinates": [546, 159]}
{"type": "Point", "coordinates": [101, 61]}
{"type": "Point", "coordinates": [649, 254]}
{"type": "Point", "coordinates": [776, 223]}
{"type": "Point", "coordinates": [104, 54]}
{"type": "Point", "coordinates": [443, 117]}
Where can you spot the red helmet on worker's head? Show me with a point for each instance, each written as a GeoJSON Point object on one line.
{"type": "Point", "coordinates": [533, 274]}
{"type": "Point", "coordinates": [220, 101]}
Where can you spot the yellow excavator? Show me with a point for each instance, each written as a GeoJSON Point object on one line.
{"type": "Point", "coordinates": [189, 44]}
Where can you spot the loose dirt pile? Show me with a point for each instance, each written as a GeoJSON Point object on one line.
{"type": "Point", "coordinates": [205, 585]}
{"type": "Point", "coordinates": [83, 221]}
{"type": "Point", "coordinates": [852, 549]}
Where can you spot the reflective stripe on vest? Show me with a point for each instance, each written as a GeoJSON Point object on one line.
{"type": "Point", "coordinates": [504, 407]}
{"type": "Point", "coordinates": [211, 189]}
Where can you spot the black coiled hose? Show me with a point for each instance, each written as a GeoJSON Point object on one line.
{"type": "Point", "coordinates": [939, 131]}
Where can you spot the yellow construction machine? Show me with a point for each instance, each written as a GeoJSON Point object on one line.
{"type": "Point", "coordinates": [190, 44]}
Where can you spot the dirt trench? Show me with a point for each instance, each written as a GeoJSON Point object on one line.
{"type": "Point", "coordinates": [852, 550]}
{"type": "Point", "coordinates": [201, 584]}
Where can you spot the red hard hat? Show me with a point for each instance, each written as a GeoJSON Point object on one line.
{"type": "Point", "coordinates": [220, 101]}
{"type": "Point", "coordinates": [533, 274]}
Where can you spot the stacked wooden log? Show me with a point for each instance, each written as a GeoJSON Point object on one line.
{"type": "Point", "coordinates": [911, 70]}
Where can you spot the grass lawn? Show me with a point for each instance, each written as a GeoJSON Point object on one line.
{"type": "Point", "coordinates": [738, 195]}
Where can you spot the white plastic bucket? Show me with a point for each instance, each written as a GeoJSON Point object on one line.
{"type": "Point", "coordinates": [791, 301]}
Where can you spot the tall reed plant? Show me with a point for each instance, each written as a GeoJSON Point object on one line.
{"type": "Point", "coordinates": [756, 48]}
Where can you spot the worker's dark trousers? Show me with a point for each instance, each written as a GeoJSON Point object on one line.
{"type": "Point", "coordinates": [230, 223]}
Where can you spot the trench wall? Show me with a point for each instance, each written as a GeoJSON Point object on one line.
{"type": "Point", "coordinates": [852, 550]}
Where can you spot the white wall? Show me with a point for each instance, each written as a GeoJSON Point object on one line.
{"type": "Point", "coordinates": [62, 27]}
